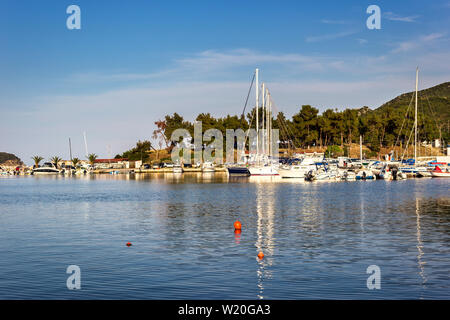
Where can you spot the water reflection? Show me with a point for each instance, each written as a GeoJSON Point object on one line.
{"type": "Point", "coordinates": [317, 238]}
{"type": "Point", "coordinates": [420, 262]}
{"type": "Point", "coordinates": [265, 242]}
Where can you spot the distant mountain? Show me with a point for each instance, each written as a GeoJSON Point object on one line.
{"type": "Point", "coordinates": [9, 159]}
{"type": "Point", "coordinates": [434, 102]}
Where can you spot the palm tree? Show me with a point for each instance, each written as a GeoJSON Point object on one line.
{"type": "Point", "coordinates": [55, 160]}
{"type": "Point", "coordinates": [36, 160]}
{"type": "Point", "coordinates": [92, 157]}
{"type": "Point", "coordinates": [75, 161]}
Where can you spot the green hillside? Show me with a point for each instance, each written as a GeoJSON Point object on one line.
{"type": "Point", "coordinates": [434, 101]}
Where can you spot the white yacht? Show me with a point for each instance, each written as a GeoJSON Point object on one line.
{"type": "Point", "coordinates": [47, 168]}
{"type": "Point", "coordinates": [308, 164]}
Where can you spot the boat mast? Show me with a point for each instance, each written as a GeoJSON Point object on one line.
{"type": "Point", "coordinates": [85, 143]}
{"type": "Point", "coordinates": [70, 149]}
{"type": "Point", "coordinates": [270, 132]}
{"type": "Point", "coordinates": [268, 123]}
{"type": "Point", "coordinates": [269, 120]}
{"type": "Point", "coordinates": [415, 119]}
{"type": "Point", "coordinates": [263, 116]}
{"type": "Point", "coordinates": [360, 148]}
{"type": "Point", "coordinates": [257, 106]}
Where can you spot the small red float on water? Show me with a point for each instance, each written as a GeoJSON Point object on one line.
{"type": "Point", "coordinates": [260, 255]}
{"type": "Point", "coordinates": [237, 225]}
{"type": "Point", "coordinates": [128, 244]}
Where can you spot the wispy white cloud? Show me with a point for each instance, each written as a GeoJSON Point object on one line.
{"type": "Point", "coordinates": [190, 86]}
{"type": "Point", "coordinates": [331, 36]}
{"type": "Point", "coordinates": [417, 43]}
{"type": "Point", "coordinates": [217, 64]}
{"type": "Point", "coordinates": [395, 17]}
{"type": "Point", "coordinates": [362, 41]}
{"type": "Point", "coordinates": [330, 21]}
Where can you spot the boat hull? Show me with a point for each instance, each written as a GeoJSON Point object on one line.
{"type": "Point", "coordinates": [263, 171]}
{"type": "Point", "coordinates": [440, 174]}
{"type": "Point", "coordinates": [295, 174]}
{"type": "Point", "coordinates": [238, 171]}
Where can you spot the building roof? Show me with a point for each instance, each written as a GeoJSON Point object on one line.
{"type": "Point", "coordinates": [110, 160]}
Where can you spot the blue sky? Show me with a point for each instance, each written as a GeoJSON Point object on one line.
{"type": "Point", "coordinates": [132, 62]}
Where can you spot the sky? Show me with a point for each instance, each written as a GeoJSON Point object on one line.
{"type": "Point", "coordinates": [133, 62]}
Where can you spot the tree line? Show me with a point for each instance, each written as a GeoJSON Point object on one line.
{"type": "Point", "coordinates": [390, 125]}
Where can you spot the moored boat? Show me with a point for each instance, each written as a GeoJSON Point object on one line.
{"type": "Point", "coordinates": [262, 170]}
{"type": "Point", "coordinates": [47, 168]}
{"type": "Point", "coordinates": [439, 173]}
{"type": "Point", "coordinates": [365, 174]}
{"type": "Point", "coordinates": [238, 171]}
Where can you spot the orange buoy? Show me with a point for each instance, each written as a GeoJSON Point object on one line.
{"type": "Point", "coordinates": [128, 244]}
{"type": "Point", "coordinates": [237, 231]}
{"type": "Point", "coordinates": [237, 225]}
{"type": "Point", "coordinates": [260, 255]}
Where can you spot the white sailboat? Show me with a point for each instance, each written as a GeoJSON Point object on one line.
{"type": "Point", "coordinates": [263, 164]}
{"type": "Point", "coordinates": [416, 169]}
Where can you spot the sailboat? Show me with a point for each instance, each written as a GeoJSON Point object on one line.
{"type": "Point", "coordinates": [413, 168]}
{"type": "Point", "coordinates": [262, 162]}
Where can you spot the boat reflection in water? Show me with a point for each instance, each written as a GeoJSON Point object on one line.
{"type": "Point", "coordinates": [265, 242]}
{"type": "Point", "coordinates": [420, 262]}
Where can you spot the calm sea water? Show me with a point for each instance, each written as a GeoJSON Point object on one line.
{"type": "Point", "coordinates": [318, 238]}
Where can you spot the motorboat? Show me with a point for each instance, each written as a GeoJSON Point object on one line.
{"type": "Point", "coordinates": [440, 173]}
{"type": "Point", "coordinates": [300, 170]}
{"type": "Point", "coordinates": [329, 175]}
{"type": "Point", "coordinates": [47, 168]}
{"type": "Point", "coordinates": [292, 171]}
{"type": "Point", "coordinates": [385, 173]}
{"type": "Point", "coordinates": [365, 174]}
{"type": "Point", "coordinates": [348, 176]}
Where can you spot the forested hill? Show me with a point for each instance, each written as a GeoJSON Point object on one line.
{"type": "Point", "coordinates": [11, 158]}
{"type": "Point", "coordinates": [434, 101]}
{"type": "Point", "coordinates": [387, 126]}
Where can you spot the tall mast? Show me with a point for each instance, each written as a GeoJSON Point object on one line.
{"type": "Point", "coordinates": [267, 122]}
{"type": "Point", "coordinates": [263, 116]}
{"type": "Point", "coordinates": [270, 123]}
{"type": "Point", "coordinates": [85, 143]}
{"type": "Point", "coordinates": [415, 119]}
{"type": "Point", "coordinates": [257, 106]}
{"type": "Point", "coordinates": [360, 148]}
{"type": "Point", "coordinates": [70, 149]}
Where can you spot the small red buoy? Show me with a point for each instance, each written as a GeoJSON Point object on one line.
{"type": "Point", "coordinates": [237, 225]}
{"type": "Point", "coordinates": [129, 244]}
{"type": "Point", "coordinates": [260, 255]}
